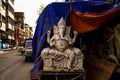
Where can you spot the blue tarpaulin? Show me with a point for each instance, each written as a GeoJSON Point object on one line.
{"type": "Point", "coordinates": [51, 15]}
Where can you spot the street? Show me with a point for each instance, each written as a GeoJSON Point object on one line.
{"type": "Point", "coordinates": [14, 67]}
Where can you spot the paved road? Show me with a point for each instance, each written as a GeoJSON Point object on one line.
{"type": "Point", "coordinates": [14, 67]}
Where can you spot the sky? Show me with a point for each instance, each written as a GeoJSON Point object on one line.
{"type": "Point", "coordinates": [30, 7]}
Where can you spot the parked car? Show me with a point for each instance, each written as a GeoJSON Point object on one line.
{"type": "Point", "coordinates": [21, 48]}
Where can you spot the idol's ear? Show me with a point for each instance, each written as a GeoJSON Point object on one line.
{"type": "Point", "coordinates": [61, 22]}
{"type": "Point", "coordinates": [54, 26]}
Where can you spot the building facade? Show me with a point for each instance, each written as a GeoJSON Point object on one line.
{"type": "Point", "coordinates": [10, 22]}
{"type": "Point", "coordinates": [3, 34]}
{"type": "Point", "coordinates": [13, 31]}
{"type": "Point", "coordinates": [7, 21]}
{"type": "Point", "coordinates": [28, 31]}
{"type": "Point", "coordinates": [19, 27]}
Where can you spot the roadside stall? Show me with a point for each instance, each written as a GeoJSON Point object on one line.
{"type": "Point", "coordinates": [97, 24]}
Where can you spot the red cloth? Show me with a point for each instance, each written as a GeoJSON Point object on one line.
{"type": "Point", "coordinates": [86, 22]}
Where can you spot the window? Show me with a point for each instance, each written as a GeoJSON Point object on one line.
{"type": "Point", "coordinates": [3, 5]}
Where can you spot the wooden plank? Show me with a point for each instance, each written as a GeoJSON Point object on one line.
{"type": "Point", "coordinates": [62, 75]}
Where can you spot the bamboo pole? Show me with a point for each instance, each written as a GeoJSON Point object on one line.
{"type": "Point", "coordinates": [70, 12]}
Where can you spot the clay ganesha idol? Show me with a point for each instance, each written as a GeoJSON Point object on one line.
{"type": "Point", "coordinates": [61, 55]}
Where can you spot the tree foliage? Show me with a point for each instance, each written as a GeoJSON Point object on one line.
{"type": "Point", "coordinates": [41, 8]}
